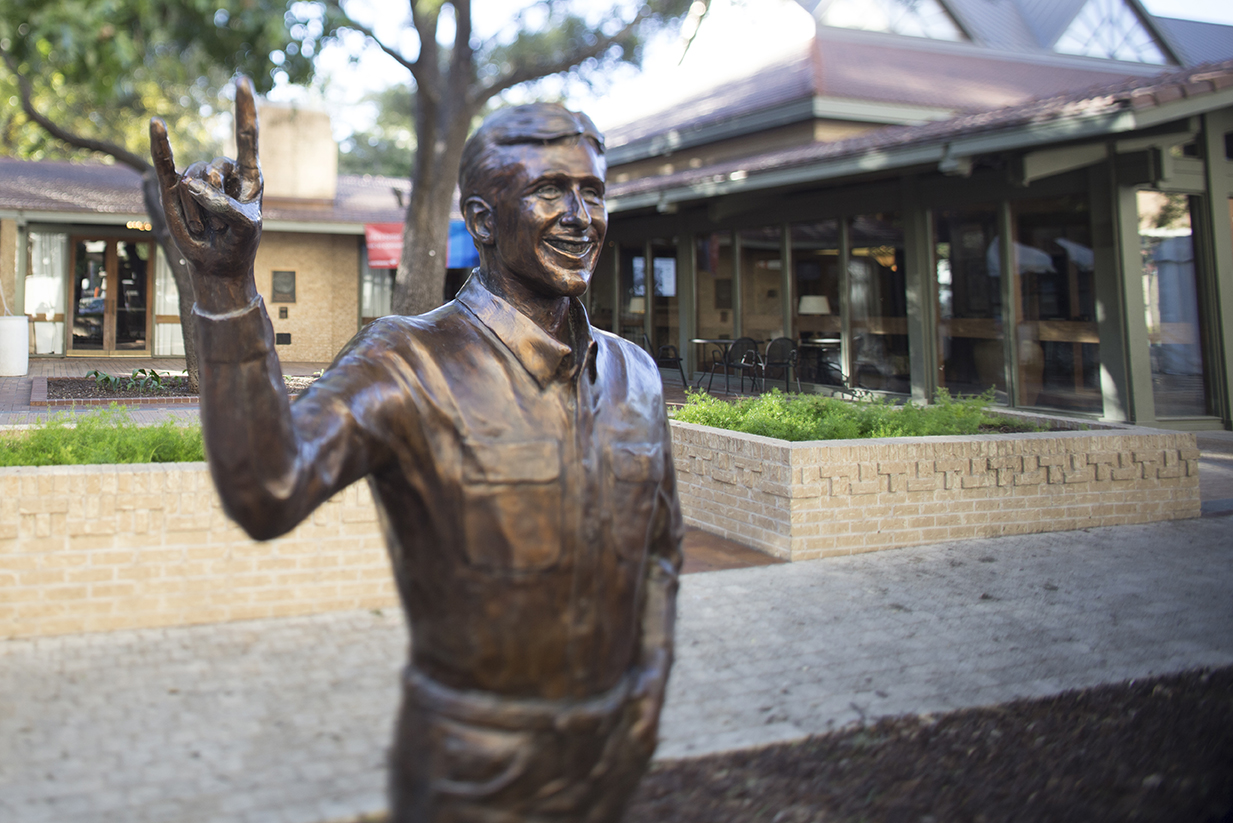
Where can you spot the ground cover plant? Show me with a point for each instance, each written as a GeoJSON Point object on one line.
{"type": "Point", "coordinates": [105, 436]}
{"type": "Point", "coordinates": [817, 417]}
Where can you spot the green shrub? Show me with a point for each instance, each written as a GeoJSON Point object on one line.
{"type": "Point", "coordinates": [105, 436]}
{"type": "Point", "coordinates": [815, 417]}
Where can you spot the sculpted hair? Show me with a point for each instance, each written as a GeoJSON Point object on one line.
{"type": "Point", "coordinates": [482, 169]}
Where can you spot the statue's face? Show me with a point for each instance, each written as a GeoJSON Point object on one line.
{"type": "Point", "coordinates": [550, 217]}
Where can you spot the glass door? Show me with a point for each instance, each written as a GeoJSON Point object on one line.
{"type": "Point", "coordinates": [111, 291]}
{"type": "Point", "coordinates": [1171, 298]}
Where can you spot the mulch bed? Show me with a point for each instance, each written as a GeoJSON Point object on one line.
{"type": "Point", "coordinates": [85, 388]}
{"type": "Point", "coordinates": [1153, 750]}
{"type": "Point", "coordinates": [1156, 750]}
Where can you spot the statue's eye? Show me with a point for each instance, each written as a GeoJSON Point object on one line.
{"type": "Point", "coordinates": [548, 192]}
{"type": "Point", "coordinates": [593, 195]}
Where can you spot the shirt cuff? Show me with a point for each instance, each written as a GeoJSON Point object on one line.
{"type": "Point", "coordinates": [238, 336]}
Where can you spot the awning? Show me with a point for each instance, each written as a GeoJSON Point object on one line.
{"type": "Point", "coordinates": [384, 242]}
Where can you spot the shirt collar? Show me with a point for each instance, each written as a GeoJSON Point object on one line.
{"type": "Point", "coordinates": [541, 354]}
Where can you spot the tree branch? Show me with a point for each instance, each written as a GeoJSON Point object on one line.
{"type": "Point", "coordinates": [462, 57]}
{"type": "Point", "coordinates": [430, 54]}
{"type": "Point", "coordinates": [351, 23]}
{"type": "Point", "coordinates": [120, 153]}
{"type": "Point", "coordinates": [525, 74]}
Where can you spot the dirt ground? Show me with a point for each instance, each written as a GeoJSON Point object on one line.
{"type": "Point", "coordinates": [1156, 750]}
{"type": "Point", "coordinates": [1152, 750]}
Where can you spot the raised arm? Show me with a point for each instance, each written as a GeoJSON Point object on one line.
{"type": "Point", "coordinates": [271, 467]}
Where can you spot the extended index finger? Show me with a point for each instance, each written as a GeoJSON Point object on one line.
{"type": "Point", "coordinates": [160, 153]}
{"type": "Point", "coordinates": [246, 134]}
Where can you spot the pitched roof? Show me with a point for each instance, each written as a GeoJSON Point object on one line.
{"type": "Point", "coordinates": [909, 72]}
{"type": "Point", "coordinates": [1198, 42]}
{"type": "Point", "coordinates": [97, 188]}
{"type": "Point", "coordinates": [893, 146]}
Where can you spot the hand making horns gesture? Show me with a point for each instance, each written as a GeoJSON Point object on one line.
{"type": "Point", "coordinates": [214, 209]}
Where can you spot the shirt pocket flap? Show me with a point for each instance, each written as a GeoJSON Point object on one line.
{"type": "Point", "coordinates": [531, 461]}
{"type": "Point", "coordinates": [636, 462]}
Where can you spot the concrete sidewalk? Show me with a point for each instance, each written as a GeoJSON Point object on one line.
{"type": "Point", "coordinates": [288, 720]}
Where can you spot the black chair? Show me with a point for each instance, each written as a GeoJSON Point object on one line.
{"type": "Point", "coordinates": [742, 358]}
{"type": "Point", "coordinates": [668, 357]}
{"type": "Point", "coordinates": [781, 354]}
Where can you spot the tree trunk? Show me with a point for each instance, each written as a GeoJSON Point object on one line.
{"type": "Point", "coordinates": [179, 271]}
{"type": "Point", "coordinates": [441, 130]}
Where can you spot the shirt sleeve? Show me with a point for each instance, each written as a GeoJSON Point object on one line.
{"type": "Point", "coordinates": [273, 462]}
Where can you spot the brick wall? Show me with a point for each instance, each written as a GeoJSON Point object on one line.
{"type": "Point", "coordinates": [807, 500]}
{"type": "Point", "coordinates": [96, 548]}
{"type": "Point", "coordinates": [325, 314]}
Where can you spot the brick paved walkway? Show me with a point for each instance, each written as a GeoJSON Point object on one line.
{"type": "Point", "coordinates": [288, 720]}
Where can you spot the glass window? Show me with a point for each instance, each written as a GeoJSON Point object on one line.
{"type": "Point", "coordinates": [376, 294]}
{"type": "Point", "coordinates": [46, 289]}
{"type": "Point", "coordinates": [133, 262]}
{"type": "Point", "coordinates": [761, 284]}
{"type": "Point", "coordinates": [715, 317]}
{"type": "Point", "coordinates": [1110, 29]}
{"type": "Point", "coordinates": [878, 304]}
{"type": "Point", "coordinates": [666, 328]}
{"type": "Point", "coordinates": [1056, 333]}
{"type": "Point", "coordinates": [633, 292]}
{"type": "Point", "coordinates": [1170, 293]}
{"type": "Point", "coordinates": [168, 336]}
{"type": "Point", "coordinates": [915, 18]}
{"type": "Point", "coordinates": [599, 294]}
{"type": "Point", "coordinates": [971, 354]}
{"type": "Point", "coordinates": [816, 323]}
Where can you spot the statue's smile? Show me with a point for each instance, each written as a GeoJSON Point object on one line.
{"type": "Point", "coordinates": [573, 248]}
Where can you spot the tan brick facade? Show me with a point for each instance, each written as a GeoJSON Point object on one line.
{"type": "Point", "coordinates": [325, 314]}
{"type": "Point", "coordinates": [96, 548]}
{"type": "Point", "coordinates": [802, 501]}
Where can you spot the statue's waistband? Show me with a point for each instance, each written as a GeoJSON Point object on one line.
{"type": "Point", "coordinates": [515, 713]}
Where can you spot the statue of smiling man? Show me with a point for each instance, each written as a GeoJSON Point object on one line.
{"type": "Point", "coordinates": [520, 461]}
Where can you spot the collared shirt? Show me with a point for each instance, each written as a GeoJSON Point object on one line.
{"type": "Point", "coordinates": [525, 487]}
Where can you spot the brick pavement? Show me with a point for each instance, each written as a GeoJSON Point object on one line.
{"type": "Point", "coordinates": [287, 720]}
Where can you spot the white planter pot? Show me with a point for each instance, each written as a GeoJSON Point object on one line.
{"type": "Point", "coordinates": [14, 346]}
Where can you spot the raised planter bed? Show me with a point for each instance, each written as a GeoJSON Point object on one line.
{"type": "Point", "coordinates": [801, 501]}
{"type": "Point", "coordinates": [96, 548]}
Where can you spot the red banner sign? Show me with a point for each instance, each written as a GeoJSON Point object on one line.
{"type": "Point", "coordinates": [384, 244]}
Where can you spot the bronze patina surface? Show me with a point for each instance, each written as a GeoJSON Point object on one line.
{"type": "Point", "coordinates": [520, 460]}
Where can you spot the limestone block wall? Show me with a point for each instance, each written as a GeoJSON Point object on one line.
{"type": "Point", "coordinates": [96, 548]}
{"type": "Point", "coordinates": [802, 501]}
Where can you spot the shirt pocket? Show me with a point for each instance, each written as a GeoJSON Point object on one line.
{"type": "Point", "coordinates": [636, 470]}
{"type": "Point", "coordinates": [512, 504]}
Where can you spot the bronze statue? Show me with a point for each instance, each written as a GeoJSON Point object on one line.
{"type": "Point", "coordinates": [520, 460]}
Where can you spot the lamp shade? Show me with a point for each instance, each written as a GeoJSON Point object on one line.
{"type": "Point", "coordinates": [814, 304]}
{"type": "Point", "coordinates": [637, 305]}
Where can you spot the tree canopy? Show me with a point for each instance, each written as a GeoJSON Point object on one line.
{"type": "Point", "coordinates": [457, 73]}
{"type": "Point", "coordinates": [83, 77]}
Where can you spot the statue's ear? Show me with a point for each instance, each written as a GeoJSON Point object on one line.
{"type": "Point", "coordinates": [478, 216]}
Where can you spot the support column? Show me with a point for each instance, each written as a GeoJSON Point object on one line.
{"type": "Point", "coordinates": [918, 282]}
{"type": "Point", "coordinates": [1219, 219]}
{"type": "Point", "coordinates": [687, 298]}
{"type": "Point", "coordinates": [1140, 404]}
{"type": "Point", "coordinates": [1108, 281]}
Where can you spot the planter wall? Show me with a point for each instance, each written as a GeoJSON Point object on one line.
{"type": "Point", "coordinates": [96, 548]}
{"type": "Point", "coordinates": [801, 501]}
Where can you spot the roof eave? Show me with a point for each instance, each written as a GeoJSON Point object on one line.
{"type": "Point", "coordinates": [1025, 136]}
